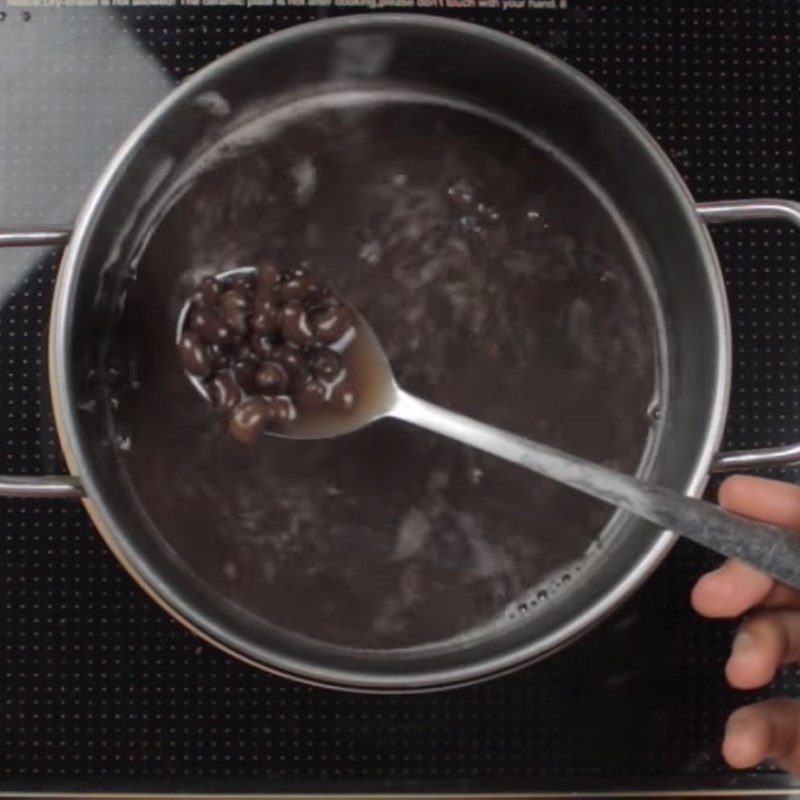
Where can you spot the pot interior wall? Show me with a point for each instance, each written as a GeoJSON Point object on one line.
{"type": "Point", "coordinates": [541, 302]}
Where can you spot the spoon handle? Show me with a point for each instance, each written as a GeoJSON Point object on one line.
{"type": "Point", "coordinates": [769, 548]}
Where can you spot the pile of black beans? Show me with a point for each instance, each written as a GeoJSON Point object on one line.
{"type": "Point", "coordinates": [268, 346]}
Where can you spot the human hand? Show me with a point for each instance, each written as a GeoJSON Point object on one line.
{"type": "Point", "coordinates": [768, 638]}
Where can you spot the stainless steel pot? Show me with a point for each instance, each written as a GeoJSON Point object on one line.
{"type": "Point", "coordinates": [538, 93]}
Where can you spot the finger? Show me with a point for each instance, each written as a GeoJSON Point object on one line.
{"type": "Point", "coordinates": [736, 587]}
{"type": "Point", "coordinates": [766, 730]}
{"type": "Point", "coordinates": [763, 499]}
{"type": "Point", "coordinates": [730, 590]}
{"type": "Point", "coordinates": [781, 596]}
{"type": "Point", "coordinates": [763, 643]}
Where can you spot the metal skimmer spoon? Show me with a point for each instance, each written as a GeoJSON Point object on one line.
{"type": "Point", "coordinates": [769, 548]}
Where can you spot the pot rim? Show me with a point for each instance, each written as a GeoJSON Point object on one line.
{"type": "Point", "coordinates": [185, 613]}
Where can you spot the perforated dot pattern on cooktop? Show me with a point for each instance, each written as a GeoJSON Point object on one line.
{"type": "Point", "coordinates": [101, 690]}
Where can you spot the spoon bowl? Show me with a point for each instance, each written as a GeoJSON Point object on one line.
{"type": "Point", "coordinates": [376, 389]}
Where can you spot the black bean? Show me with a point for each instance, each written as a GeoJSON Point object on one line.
{"type": "Point", "coordinates": [288, 356]}
{"type": "Point", "coordinates": [299, 377]}
{"type": "Point", "coordinates": [307, 289]}
{"type": "Point", "coordinates": [268, 276]}
{"type": "Point", "coordinates": [266, 315]}
{"type": "Point", "coordinates": [225, 392]}
{"type": "Point", "coordinates": [293, 289]}
{"type": "Point", "coordinates": [244, 370]}
{"type": "Point", "coordinates": [272, 378]}
{"type": "Point", "coordinates": [209, 326]}
{"type": "Point", "coordinates": [324, 302]}
{"type": "Point", "coordinates": [295, 327]}
{"type": "Point", "coordinates": [238, 296]}
{"type": "Point", "coordinates": [207, 293]}
{"type": "Point", "coordinates": [284, 409]}
{"type": "Point", "coordinates": [234, 305]}
{"type": "Point", "coordinates": [333, 323]}
{"type": "Point", "coordinates": [317, 291]}
{"type": "Point", "coordinates": [194, 356]}
{"type": "Point", "coordinates": [312, 396]}
{"type": "Point", "coordinates": [241, 349]}
{"type": "Point", "coordinates": [293, 361]}
{"type": "Point", "coordinates": [242, 284]}
{"type": "Point", "coordinates": [325, 363]}
{"type": "Point", "coordinates": [260, 344]}
{"type": "Point", "coordinates": [343, 396]}
{"type": "Point", "coordinates": [250, 417]}
{"type": "Point", "coordinates": [218, 355]}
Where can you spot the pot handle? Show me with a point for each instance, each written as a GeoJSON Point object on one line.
{"type": "Point", "coordinates": [744, 211]}
{"type": "Point", "coordinates": [38, 485]}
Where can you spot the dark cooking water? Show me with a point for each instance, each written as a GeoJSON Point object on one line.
{"type": "Point", "coordinates": [500, 286]}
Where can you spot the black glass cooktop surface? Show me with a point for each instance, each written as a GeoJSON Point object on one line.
{"type": "Point", "coordinates": [102, 691]}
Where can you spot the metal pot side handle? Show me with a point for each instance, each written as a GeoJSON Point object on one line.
{"type": "Point", "coordinates": [38, 485]}
{"type": "Point", "coordinates": [745, 211]}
